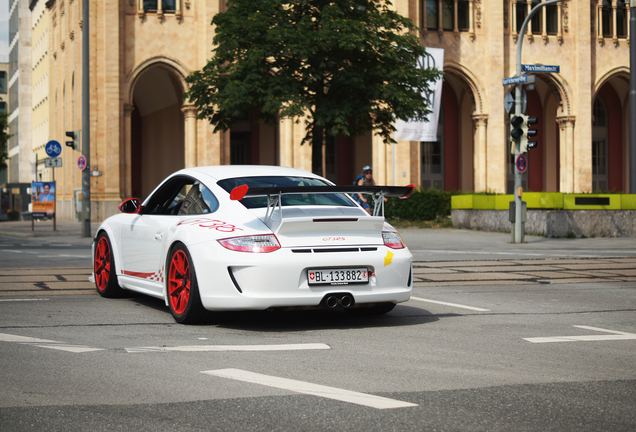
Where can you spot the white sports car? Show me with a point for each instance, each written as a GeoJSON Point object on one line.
{"type": "Point", "coordinates": [225, 238]}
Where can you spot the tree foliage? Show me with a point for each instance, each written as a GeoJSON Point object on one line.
{"type": "Point", "coordinates": [348, 66]}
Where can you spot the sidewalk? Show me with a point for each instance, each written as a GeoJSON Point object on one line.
{"type": "Point", "coordinates": [25, 229]}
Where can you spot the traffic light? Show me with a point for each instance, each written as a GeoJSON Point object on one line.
{"type": "Point", "coordinates": [516, 125]}
{"type": "Point", "coordinates": [72, 144]}
{"type": "Point", "coordinates": [530, 133]}
{"type": "Point", "coordinates": [516, 131]}
{"type": "Point", "coordinates": [520, 130]}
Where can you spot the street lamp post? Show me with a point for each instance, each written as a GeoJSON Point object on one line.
{"type": "Point", "coordinates": [518, 232]}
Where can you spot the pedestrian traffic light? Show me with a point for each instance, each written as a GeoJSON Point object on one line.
{"type": "Point", "coordinates": [72, 144]}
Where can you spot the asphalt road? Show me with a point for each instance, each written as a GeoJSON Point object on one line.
{"type": "Point", "coordinates": [523, 343]}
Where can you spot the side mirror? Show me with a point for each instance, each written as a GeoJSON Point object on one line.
{"type": "Point", "coordinates": [132, 205]}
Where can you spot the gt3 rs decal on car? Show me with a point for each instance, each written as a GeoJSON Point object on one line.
{"type": "Point", "coordinates": [212, 224]}
{"type": "Point", "coordinates": [155, 277]}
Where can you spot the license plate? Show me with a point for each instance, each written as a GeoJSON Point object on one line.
{"type": "Point", "coordinates": [338, 276]}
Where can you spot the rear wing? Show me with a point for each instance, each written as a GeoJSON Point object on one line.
{"type": "Point", "coordinates": [274, 194]}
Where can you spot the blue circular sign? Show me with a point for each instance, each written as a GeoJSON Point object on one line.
{"type": "Point", "coordinates": [522, 163]}
{"type": "Point", "coordinates": [53, 149]}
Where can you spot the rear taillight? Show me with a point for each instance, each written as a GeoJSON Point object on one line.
{"type": "Point", "coordinates": [392, 239]}
{"type": "Point", "coordinates": [254, 244]}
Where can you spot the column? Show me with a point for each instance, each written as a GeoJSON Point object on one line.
{"type": "Point", "coordinates": [286, 142]}
{"type": "Point", "coordinates": [190, 139]}
{"type": "Point", "coordinates": [566, 153]}
{"type": "Point", "coordinates": [480, 128]}
{"type": "Point", "coordinates": [125, 167]}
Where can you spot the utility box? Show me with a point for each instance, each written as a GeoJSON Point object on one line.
{"type": "Point", "coordinates": [512, 211]}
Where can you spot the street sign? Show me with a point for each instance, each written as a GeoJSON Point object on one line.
{"type": "Point", "coordinates": [53, 149]}
{"type": "Point", "coordinates": [521, 79]}
{"type": "Point", "coordinates": [81, 162]}
{"type": "Point", "coordinates": [541, 68]}
{"type": "Point", "coordinates": [53, 162]}
{"type": "Point", "coordinates": [510, 99]}
{"type": "Point", "coordinates": [521, 163]}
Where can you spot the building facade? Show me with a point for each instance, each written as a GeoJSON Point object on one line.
{"type": "Point", "coordinates": [141, 51]}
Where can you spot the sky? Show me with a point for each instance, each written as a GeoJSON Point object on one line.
{"type": "Point", "coordinates": [4, 27]}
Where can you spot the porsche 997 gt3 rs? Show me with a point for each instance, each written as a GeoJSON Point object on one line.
{"type": "Point", "coordinates": [226, 238]}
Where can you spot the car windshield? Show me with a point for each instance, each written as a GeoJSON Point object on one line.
{"type": "Point", "coordinates": [287, 200]}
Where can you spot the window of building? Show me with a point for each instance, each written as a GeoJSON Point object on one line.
{"type": "Point", "coordinates": [431, 14]}
{"type": "Point", "coordinates": [606, 18]}
{"type": "Point", "coordinates": [545, 21]}
{"type": "Point", "coordinates": [447, 15]}
{"type": "Point", "coordinates": [521, 13]}
{"type": "Point", "coordinates": [160, 7]}
{"type": "Point", "coordinates": [463, 17]}
{"type": "Point", "coordinates": [537, 18]}
{"type": "Point", "coordinates": [3, 81]}
{"type": "Point", "coordinates": [622, 9]}
{"type": "Point", "coordinates": [612, 20]}
{"type": "Point", "coordinates": [551, 19]}
{"type": "Point", "coordinates": [3, 107]}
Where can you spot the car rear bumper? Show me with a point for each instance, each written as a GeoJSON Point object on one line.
{"type": "Point", "coordinates": [244, 281]}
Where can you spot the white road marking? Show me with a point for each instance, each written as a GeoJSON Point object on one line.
{"type": "Point", "coordinates": [549, 253]}
{"type": "Point", "coordinates": [23, 300]}
{"type": "Point", "coordinates": [44, 343]}
{"type": "Point", "coordinates": [207, 348]}
{"type": "Point", "coordinates": [65, 256]}
{"type": "Point", "coordinates": [450, 304]}
{"type": "Point", "coordinates": [311, 389]}
{"type": "Point", "coordinates": [614, 335]}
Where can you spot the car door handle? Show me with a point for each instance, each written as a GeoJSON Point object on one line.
{"type": "Point", "coordinates": [159, 236]}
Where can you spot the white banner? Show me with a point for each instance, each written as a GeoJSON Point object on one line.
{"type": "Point", "coordinates": [425, 130]}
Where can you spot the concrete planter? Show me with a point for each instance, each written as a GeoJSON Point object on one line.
{"type": "Point", "coordinates": [553, 223]}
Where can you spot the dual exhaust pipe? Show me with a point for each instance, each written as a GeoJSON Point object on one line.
{"type": "Point", "coordinates": [335, 300]}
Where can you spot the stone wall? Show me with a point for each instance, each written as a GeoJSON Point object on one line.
{"type": "Point", "coordinates": [553, 223]}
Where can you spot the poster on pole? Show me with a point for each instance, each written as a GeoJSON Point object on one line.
{"type": "Point", "coordinates": [43, 200]}
{"type": "Point", "coordinates": [425, 130]}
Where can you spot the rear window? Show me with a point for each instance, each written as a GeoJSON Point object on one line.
{"type": "Point", "coordinates": [288, 200]}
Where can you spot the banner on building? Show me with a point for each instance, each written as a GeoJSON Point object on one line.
{"type": "Point", "coordinates": [425, 130]}
{"type": "Point", "coordinates": [43, 200]}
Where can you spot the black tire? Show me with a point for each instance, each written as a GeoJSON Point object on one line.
{"type": "Point", "coordinates": [104, 268]}
{"type": "Point", "coordinates": [376, 309]}
{"type": "Point", "coordinates": [183, 290]}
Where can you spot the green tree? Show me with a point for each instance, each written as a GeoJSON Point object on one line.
{"type": "Point", "coordinates": [349, 66]}
{"type": "Point", "coordinates": [4, 138]}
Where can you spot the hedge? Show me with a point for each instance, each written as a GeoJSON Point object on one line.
{"type": "Point", "coordinates": [426, 205]}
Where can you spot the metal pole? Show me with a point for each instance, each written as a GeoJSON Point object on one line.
{"type": "Point", "coordinates": [522, 32]}
{"type": "Point", "coordinates": [632, 97]}
{"type": "Point", "coordinates": [86, 131]}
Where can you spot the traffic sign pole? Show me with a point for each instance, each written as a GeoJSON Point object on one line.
{"type": "Point", "coordinates": [518, 226]}
{"type": "Point", "coordinates": [86, 125]}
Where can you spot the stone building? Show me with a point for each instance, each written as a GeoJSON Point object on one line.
{"type": "Point", "coordinates": [142, 129]}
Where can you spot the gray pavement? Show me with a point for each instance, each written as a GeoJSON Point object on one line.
{"type": "Point", "coordinates": [42, 231]}
{"type": "Point", "coordinates": [446, 244]}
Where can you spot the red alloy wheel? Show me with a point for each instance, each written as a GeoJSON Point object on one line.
{"type": "Point", "coordinates": [179, 282]}
{"type": "Point", "coordinates": [102, 264]}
